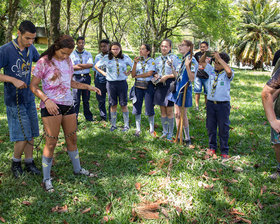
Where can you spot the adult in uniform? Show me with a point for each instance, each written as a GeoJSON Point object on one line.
{"type": "Point", "coordinates": [16, 59]}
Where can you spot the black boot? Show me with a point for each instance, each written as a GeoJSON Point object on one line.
{"type": "Point", "coordinates": [31, 168]}
{"type": "Point", "coordinates": [16, 169]}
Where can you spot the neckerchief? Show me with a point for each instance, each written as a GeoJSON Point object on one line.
{"type": "Point", "coordinates": [182, 65]}
{"type": "Point", "coordinates": [215, 82]}
{"type": "Point", "coordinates": [164, 59]}
{"type": "Point", "coordinates": [80, 55]}
{"type": "Point", "coordinates": [144, 63]}
{"type": "Point", "coordinates": [25, 64]}
{"type": "Point", "coordinates": [118, 65]}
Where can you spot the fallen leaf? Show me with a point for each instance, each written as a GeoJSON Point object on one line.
{"type": "Point", "coordinates": [152, 172]}
{"type": "Point", "coordinates": [138, 186]}
{"type": "Point", "coordinates": [60, 209]}
{"type": "Point", "coordinates": [23, 183]}
{"type": "Point", "coordinates": [214, 179]}
{"type": "Point", "coordinates": [251, 184]}
{"type": "Point", "coordinates": [214, 156]}
{"type": "Point", "coordinates": [263, 190]}
{"type": "Point", "coordinates": [191, 146]}
{"type": "Point", "coordinates": [205, 173]}
{"type": "Point", "coordinates": [260, 205]}
{"type": "Point", "coordinates": [178, 209]}
{"type": "Point", "coordinates": [142, 156]}
{"type": "Point", "coordinates": [133, 158]}
{"type": "Point", "coordinates": [106, 219]}
{"type": "Point", "coordinates": [232, 201]}
{"type": "Point", "coordinates": [207, 186]}
{"type": "Point", "coordinates": [64, 222]}
{"type": "Point", "coordinates": [26, 203]}
{"type": "Point", "coordinates": [2, 219]}
{"type": "Point", "coordinates": [108, 155]}
{"type": "Point", "coordinates": [237, 169]}
{"type": "Point", "coordinates": [148, 210]}
{"type": "Point", "coordinates": [275, 193]}
{"type": "Point", "coordinates": [256, 165]}
{"type": "Point", "coordinates": [234, 211]}
{"type": "Point", "coordinates": [232, 181]}
{"type": "Point", "coordinates": [108, 208]}
{"type": "Point", "coordinates": [164, 212]}
{"type": "Point", "coordinates": [238, 218]}
{"type": "Point", "coordinates": [86, 210]}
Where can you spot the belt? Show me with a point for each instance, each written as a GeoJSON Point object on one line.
{"type": "Point", "coordinates": [218, 102]}
{"type": "Point", "coordinates": [86, 74]}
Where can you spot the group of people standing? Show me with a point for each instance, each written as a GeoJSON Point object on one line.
{"type": "Point", "coordinates": [165, 81]}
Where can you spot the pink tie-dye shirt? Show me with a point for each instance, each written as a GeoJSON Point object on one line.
{"type": "Point", "coordinates": [56, 79]}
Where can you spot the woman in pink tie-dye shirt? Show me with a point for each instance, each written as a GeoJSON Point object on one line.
{"type": "Point", "coordinates": [55, 71]}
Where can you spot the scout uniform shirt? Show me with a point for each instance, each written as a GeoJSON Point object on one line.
{"type": "Point", "coordinates": [81, 58]}
{"type": "Point", "coordinates": [145, 66]}
{"type": "Point", "coordinates": [115, 68]}
{"type": "Point", "coordinates": [222, 90]}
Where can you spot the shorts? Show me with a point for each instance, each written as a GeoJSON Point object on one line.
{"type": "Point", "coordinates": [29, 122]}
{"type": "Point", "coordinates": [198, 83]}
{"type": "Point", "coordinates": [162, 94]}
{"type": "Point", "coordinates": [117, 91]}
{"type": "Point", "coordinates": [62, 109]}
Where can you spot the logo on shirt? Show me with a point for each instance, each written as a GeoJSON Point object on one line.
{"type": "Point", "coordinates": [20, 71]}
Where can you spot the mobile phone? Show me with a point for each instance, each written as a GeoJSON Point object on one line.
{"type": "Point", "coordinates": [209, 53]}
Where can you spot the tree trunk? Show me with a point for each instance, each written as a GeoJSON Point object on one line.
{"type": "Point", "coordinates": [46, 23]}
{"type": "Point", "coordinates": [100, 20]}
{"type": "Point", "coordinates": [68, 16]}
{"type": "Point", "coordinates": [55, 18]}
{"type": "Point", "coordinates": [12, 18]}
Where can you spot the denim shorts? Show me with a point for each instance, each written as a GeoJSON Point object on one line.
{"type": "Point", "coordinates": [29, 120]}
{"type": "Point", "coordinates": [198, 83]}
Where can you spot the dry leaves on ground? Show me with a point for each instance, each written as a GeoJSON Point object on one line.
{"type": "Point", "coordinates": [2, 219]}
{"type": "Point", "coordinates": [86, 210]}
{"type": "Point", "coordinates": [60, 209]}
{"type": "Point", "coordinates": [26, 203]}
{"type": "Point", "coordinates": [108, 208]}
{"type": "Point", "coordinates": [148, 210]}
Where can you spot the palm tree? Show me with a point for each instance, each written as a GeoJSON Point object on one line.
{"type": "Point", "coordinates": [259, 32]}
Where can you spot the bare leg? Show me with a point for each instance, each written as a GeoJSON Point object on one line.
{"type": "Point", "coordinates": [197, 96]}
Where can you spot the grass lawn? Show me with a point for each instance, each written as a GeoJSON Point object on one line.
{"type": "Point", "coordinates": [141, 178]}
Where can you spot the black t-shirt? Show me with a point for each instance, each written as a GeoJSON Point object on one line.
{"type": "Point", "coordinates": [201, 73]}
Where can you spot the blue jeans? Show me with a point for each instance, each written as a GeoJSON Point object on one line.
{"type": "Point", "coordinates": [198, 83]}
{"type": "Point", "coordinates": [218, 116]}
{"type": "Point", "coordinates": [29, 121]}
{"type": "Point", "coordinates": [102, 100]}
{"type": "Point", "coordinates": [77, 93]}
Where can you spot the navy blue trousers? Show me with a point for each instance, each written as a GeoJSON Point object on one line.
{"type": "Point", "coordinates": [218, 117]}
{"type": "Point", "coordinates": [77, 93]}
{"type": "Point", "coordinates": [148, 94]}
{"type": "Point", "coordinates": [102, 100]}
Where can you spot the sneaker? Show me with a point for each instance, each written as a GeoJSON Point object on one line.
{"type": "Point", "coordinates": [275, 175]}
{"type": "Point", "coordinates": [169, 137]}
{"type": "Point", "coordinates": [211, 152]}
{"type": "Point", "coordinates": [113, 128]}
{"type": "Point", "coordinates": [225, 156]}
{"type": "Point", "coordinates": [163, 135]}
{"type": "Point", "coordinates": [125, 129]}
{"type": "Point", "coordinates": [85, 173]}
{"type": "Point", "coordinates": [137, 133]}
{"type": "Point", "coordinates": [197, 108]}
{"type": "Point", "coordinates": [187, 142]}
{"type": "Point", "coordinates": [47, 184]}
{"type": "Point", "coordinates": [31, 168]}
{"type": "Point", "coordinates": [16, 169]}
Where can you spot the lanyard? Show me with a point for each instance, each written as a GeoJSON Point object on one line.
{"type": "Point", "coordinates": [25, 64]}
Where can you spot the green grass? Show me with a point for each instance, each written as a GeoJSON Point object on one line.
{"type": "Point", "coordinates": [182, 176]}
